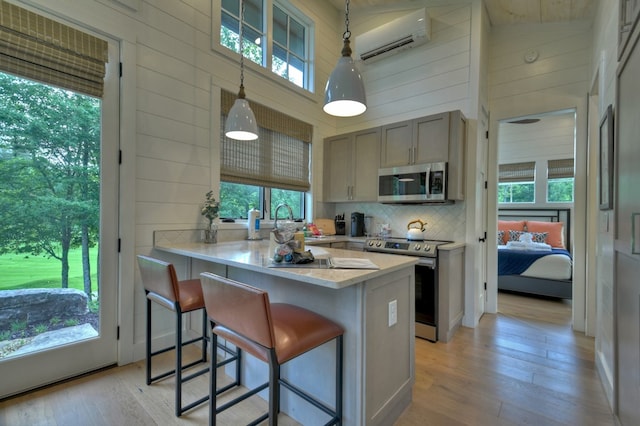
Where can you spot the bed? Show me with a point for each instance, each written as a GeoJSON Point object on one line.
{"type": "Point", "coordinates": [539, 263]}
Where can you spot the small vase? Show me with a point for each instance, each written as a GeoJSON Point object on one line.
{"type": "Point", "coordinates": [211, 234]}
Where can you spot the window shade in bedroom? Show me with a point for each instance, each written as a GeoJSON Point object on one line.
{"type": "Point", "coordinates": [558, 169]}
{"type": "Point", "coordinates": [517, 172]}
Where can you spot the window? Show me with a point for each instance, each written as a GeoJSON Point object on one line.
{"type": "Point", "coordinates": [253, 28]}
{"type": "Point", "coordinates": [272, 170]}
{"type": "Point", "coordinates": [289, 48]}
{"type": "Point", "coordinates": [516, 183]}
{"type": "Point", "coordinates": [290, 57]}
{"type": "Point", "coordinates": [560, 181]}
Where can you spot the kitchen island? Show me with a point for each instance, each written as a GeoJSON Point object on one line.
{"type": "Point", "coordinates": [378, 345]}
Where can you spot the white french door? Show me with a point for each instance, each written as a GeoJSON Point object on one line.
{"type": "Point", "coordinates": [34, 369]}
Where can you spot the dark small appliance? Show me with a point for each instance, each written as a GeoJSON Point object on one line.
{"type": "Point", "coordinates": [357, 224]}
{"type": "Point", "coordinates": [340, 224]}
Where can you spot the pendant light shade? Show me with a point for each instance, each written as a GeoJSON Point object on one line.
{"type": "Point", "coordinates": [241, 122]}
{"type": "Point", "coordinates": [344, 95]}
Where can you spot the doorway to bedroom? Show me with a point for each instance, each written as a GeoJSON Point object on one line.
{"type": "Point", "coordinates": [536, 164]}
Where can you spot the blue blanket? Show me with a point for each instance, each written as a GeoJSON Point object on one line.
{"type": "Point", "coordinates": [515, 262]}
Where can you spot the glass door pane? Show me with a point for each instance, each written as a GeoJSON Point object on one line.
{"type": "Point", "coordinates": [58, 273]}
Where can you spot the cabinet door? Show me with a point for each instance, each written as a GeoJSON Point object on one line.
{"type": "Point", "coordinates": [337, 168]}
{"type": "Point", "coordinates": [629, 11]}
{"type": "Point", "coordinates": [396, 145]}
{"type": "Point", "coordinates": [431, 135]}
{"type": "Point", "coordinates": [457, 157]}
{"type": "Point", "coordinates": [626, 257]}
{"type": "Point", "coordinates": [352, 245]}
{"type": "Point", "coordinates": [366, 156]}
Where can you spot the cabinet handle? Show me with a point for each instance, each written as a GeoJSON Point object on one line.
{"type": "Point", "coordinates": [635, 231]}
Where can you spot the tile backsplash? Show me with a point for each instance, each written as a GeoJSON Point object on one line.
{"type": "Point", "coordinates": [443, 221]}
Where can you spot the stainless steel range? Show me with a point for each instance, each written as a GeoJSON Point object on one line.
{"type": "Point", "coordinates": [426, 278]}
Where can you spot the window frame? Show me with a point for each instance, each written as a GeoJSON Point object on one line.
{"type": "Point", "coordinates": [265, 68]}
{"type": "Point", "coordinates": [266, 212]}
{"type": "Point", "coordinates": [513, 183]}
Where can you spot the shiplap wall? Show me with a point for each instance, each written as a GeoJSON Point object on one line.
{"type": "Point", "coordinates": [427, 79]}
{"type": "Point", "coordinates": [552, 137]}
{"type": "Point", "coordinates": [604, 67]}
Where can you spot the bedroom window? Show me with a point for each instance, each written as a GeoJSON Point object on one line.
{"type": "Point", "coordinates": [516, 182]}
{"type": "Point", "coordinates": [560, 181]}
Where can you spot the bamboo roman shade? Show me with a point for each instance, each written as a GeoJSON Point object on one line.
{"type": "Point", "coordinates": [558, 169]}
{"type": "Point", "coordinates": [517, 172]}
{"type": "Point", "coordinates": [279, 158]}
{"type": "Point", "coordinates": [41, 49]}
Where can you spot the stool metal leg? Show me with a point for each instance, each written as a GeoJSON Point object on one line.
{"type": "Point", "coordinates": [339, 377]}
{"type": "Point", "coordinates": [148, 342]}
{"type": "Point", "coordinates": [178, 361]}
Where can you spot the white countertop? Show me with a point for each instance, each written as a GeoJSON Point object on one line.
{"type": "Point", "coordinates": [253, 255]}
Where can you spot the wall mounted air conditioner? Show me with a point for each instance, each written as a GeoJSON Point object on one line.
{"type": "Point", "coordinates": [400, 34]}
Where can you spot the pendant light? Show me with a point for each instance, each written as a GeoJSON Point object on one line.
{"type": "Point", "coordinates": [241, 122]}
{"type": "Point", "coordinates": [344, 94]}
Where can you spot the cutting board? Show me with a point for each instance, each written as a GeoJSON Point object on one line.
{"type": "Point", "coordinates": [328, 226]}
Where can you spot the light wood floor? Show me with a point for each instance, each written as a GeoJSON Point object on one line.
{"type": "Point", "coordinates": [522, 366]}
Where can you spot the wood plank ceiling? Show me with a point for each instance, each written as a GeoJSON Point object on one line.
{"type": "Point", "coordinates": [501, 12]}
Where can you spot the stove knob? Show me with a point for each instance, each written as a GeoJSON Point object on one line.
{"type": "Point", "coordinates": [417, 247]}
{"type": "Point", "coordinates": [370, 243]}
{"type": "Point", "coordinates": [427, 248]}
{"type": "Point", "coordinates": [379, 244]}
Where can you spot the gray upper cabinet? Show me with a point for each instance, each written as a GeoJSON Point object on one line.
{"type": "Point", "coordinates": [418, 141]}
{"type": "Point", "coordinates": [432, 139]}
{"type": "Point", "coordinates": [351, 166]}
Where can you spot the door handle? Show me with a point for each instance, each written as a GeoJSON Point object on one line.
{"type": "Point", "coordinates": [483, 239]}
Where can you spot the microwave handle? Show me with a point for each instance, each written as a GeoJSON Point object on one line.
{"type": "Point", "coordinates": [428, 182]}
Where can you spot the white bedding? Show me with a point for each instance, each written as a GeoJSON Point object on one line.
{"type": "Point", "coordinates": [552, 266]}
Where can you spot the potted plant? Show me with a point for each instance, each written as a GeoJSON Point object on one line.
{"type": "Point", "coordinates": [210, 211]}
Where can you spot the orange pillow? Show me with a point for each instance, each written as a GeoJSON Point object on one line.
{"type": "Point", "coordinates": [509, 225]}
{"type": "Point", "coordinates": [554, 229]}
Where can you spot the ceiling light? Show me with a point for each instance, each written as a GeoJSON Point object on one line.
{"type": "Point", "coordinates": [241, 122]}
{"type": "Point", "coordinates": [344, 94]}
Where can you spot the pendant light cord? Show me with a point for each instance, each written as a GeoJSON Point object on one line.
{"type": "Point", "coordinates": [346, 46]}
{"type": "Point", "coordinates": [241, 94]}
{"type": "Point", "coordinates": [347, 34]}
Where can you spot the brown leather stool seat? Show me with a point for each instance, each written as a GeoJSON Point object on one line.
{"type": "Point", "coordinates": [274, 333]}
{"type": "Point", "coordinates": [161, 286]}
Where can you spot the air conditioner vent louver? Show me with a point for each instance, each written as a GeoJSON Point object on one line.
{"type": "Point", "coordinates": [387, 48]}
{"type": "Point", "coordinates": [400, 34]}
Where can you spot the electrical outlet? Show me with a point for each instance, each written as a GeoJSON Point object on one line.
{"type": "Point", "coordinates": [393, 312]}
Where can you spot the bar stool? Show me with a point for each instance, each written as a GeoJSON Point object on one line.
{"type": "Point", "coordinates": [272, 332]}
{"type": "Point", "coordinates": [161, 286]}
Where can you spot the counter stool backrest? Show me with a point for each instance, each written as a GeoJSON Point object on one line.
{"type": "Point", "coordinates": [239, 307]}
{"type": "Point", "coordinates": [159, 277]}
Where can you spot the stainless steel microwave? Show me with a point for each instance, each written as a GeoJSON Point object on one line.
{"type": "Point", "coordinates": [413, 184]}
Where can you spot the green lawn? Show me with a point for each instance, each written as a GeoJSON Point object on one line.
{"type": "Point", "coordinates": [20, 271]}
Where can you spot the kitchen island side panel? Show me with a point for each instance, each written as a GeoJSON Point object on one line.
{"type": "Point", "coordinates": [378, 360]}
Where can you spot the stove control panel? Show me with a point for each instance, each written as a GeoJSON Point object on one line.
{"type": "Point", "coordinates": [411, 248]}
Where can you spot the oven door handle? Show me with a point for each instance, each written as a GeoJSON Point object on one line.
{"type": "Point", "coordinates": [427, 262]}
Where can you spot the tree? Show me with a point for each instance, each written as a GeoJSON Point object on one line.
{"type": "Point", "coordinates": [49, 171]}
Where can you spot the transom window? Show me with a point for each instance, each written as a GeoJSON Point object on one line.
{"type": "Point", "coordinates": [287, 55]}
